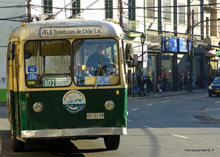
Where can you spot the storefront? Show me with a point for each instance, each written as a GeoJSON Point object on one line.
{"type": "Point", "coordinates": [167, 71]}
{"type": "Point", "coordinates": [152, 69]}
{"type": "Point", "coordinates": [169, 61]}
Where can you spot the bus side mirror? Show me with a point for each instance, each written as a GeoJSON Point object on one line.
{"type": "Point", "coordinates": [12, 51]}
{"type": "Point", "coordinates": [129, 52]}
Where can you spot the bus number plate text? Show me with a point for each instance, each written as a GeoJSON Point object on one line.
{"type": "Point", "coordinates": [95, 116]}
{"type": "Point", "coordinates": [49, 82]}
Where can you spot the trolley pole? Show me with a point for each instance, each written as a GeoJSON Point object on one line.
{"type": "Point", "coordinates": [29, 11]}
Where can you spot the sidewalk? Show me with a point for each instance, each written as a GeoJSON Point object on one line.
{"type": "Point", "coordinates": [165, 94]}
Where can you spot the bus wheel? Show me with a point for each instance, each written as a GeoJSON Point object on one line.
{"type": "Point", "coordinates": [112, 142]}
{"type": "Point", "coordinates": [17, 146]}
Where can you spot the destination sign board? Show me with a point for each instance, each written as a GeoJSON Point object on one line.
{"type": "Point", "coordinates": [71, 31]}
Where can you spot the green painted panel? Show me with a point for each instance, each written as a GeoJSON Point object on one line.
{"type": "Point", "coordinates": [55, 116]}
{"type": "Point", "coordinates": [2, 95]}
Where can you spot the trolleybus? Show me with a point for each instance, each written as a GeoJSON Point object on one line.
{"type": "Point", "coordinates": [54, 93]}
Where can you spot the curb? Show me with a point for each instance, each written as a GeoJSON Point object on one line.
{"type": "Point", "coordinates": [209, 117]}
{"type": "Point", "coordinates": [164, 95]}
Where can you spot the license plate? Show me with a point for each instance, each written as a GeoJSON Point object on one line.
{"type": "Point", "coordinates": [217, 91]}
{"type": "Point", "coordinates": [95, 116]}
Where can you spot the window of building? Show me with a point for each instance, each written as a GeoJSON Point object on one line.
{"type": "Point", "coordinates": [76, 7]}
{"type": "Point", "coordinates": [181, 13]}
{"type": "Point", "coordinates": [48, 6]}
{"type": "Point", "coordinates": [167, 10]}
{"type": "Point", "coordinates": [109, 9]}
{"type": "Point", "coordinates": [131, 10]}
{"type": "Point", "coordinates": [150, 11]}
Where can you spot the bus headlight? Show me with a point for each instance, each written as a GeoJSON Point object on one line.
{"type": "Point", "coordinates": [109, 105]}
{"type": "Point", "coordinates": [38, 107]}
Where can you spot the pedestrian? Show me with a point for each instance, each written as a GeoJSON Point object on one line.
{"type": "Point", "coordinates": [204, 80]}
{"type": "Point", "coordinates": [185, 82]}
{"type": "Point", "coordinates": [148, 83]}
{"type": "Point", "coordinates": [139, 84]}
{"type": "Point", "coordinates": [159, 84]}
{"type": "Point", "coordinates": [164, 82]}
{"type": "Point", "coordinates": [198, 81]}
{"type": "Point", "coordinates": [181, 81]}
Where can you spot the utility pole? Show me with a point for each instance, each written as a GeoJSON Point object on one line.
{"type": "Point", "coordinates": [144, 17]}
{"type": "Point", "coordinates": [175, 70]}
{"type": "Point", "coordinates": [159, 17]}
{"type": "Point", "coordinates": [29, 11]}
{"type": "Point", "coordinates": [191, 57]}
{"type": "Point", "coordinates": [188, 46]}
{"type": "Point", "coordinates": [121, 13]}
{"type": "Point", "coordinates": [202, 18]}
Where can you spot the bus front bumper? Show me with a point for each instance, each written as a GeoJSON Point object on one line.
{"type": "Point", "coordinates": [56, 133]}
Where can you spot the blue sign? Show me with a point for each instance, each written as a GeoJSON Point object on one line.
{"type": "Point", "coordinates": [183, 45]}
{"type": "Point", "coordinates": [172, 45]}
{"type": "Point", "coordinates": [175, 45]}
{"type": "Point", "coordinates": [32, 76]}
{"type": "Point", "coordinates": [32, 69]}
{"type": "Point", "coordinates": [169, 44]}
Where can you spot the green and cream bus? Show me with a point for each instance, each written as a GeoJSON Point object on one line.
{"type": "Point", "coordinates": [51, 92]}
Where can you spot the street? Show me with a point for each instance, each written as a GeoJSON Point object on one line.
{"type": "Point", "coordinates": [157, 127]}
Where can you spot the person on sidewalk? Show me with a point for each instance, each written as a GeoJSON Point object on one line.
{"type": "Point", "coordinates": [148, 83]}
{"type": "Point", "coordinates": [185, 82]}
{"type": "Point", "coordinates": [164, 83]}
{"type": "Point", "coordinates": [198, 82]}
{"type": "Point", "coordinates": [181, 81]}
{"type": "Point", "coordinates": [139, 84]}
{"type": "Point", "coordinates": [159, 84]}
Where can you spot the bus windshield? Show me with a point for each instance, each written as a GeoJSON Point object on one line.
{"type": "Point", "coordinates": [95, 62]}
{"type": "Point", "coordinates": [47, 63]}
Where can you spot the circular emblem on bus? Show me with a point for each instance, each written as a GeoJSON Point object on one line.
{"type": "Point", "coordinates": [74, 101]}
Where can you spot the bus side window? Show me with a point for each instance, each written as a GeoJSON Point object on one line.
{"type": "Point", "coordinates": [11, 51]}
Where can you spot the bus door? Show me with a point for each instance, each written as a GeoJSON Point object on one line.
{"type": "Point", "coordinates": [13, 71]}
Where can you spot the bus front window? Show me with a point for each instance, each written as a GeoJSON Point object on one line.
{"type": "Point", "coordinates": [96, 62]}
{"type": "Point", "coordinates": [47, 63]}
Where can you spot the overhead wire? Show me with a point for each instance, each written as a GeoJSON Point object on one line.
{"type": "Point", "coordinates": [136, 7]}
{"type": "Point", "coordinates": [155, 9]}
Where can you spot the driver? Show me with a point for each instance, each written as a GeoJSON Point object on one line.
{"type": "Point", "coordinates": [98, 62]}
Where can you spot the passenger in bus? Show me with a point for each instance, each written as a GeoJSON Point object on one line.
{"type": "Point", "coordinates": [98, 62]}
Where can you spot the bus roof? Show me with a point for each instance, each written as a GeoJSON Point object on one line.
{"type": "Point", "coordinates": [63, 29]}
